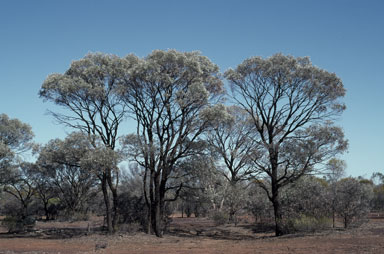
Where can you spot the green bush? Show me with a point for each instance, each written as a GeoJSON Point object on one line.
{"type": "Point", "coordinates": [220, 218]}
{"type": "Point", "coordinates": [308, 224]}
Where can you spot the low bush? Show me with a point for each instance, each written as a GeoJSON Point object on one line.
{"type": "Point", "coordinates": [220, 217]}
{"type": "Point", "coordinates": [307, 224]}
{"type": "Point", "coordinates": [130, 228]}
{"type": "Point", "coordinates": [15, 224]}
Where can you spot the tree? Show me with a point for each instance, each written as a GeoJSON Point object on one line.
{"type": "Point", "coordinates": [166, 93]}
{"type": "Point", "coordinates": [305, 204]}
{"type": "Point", "coordinates": [335, 171]}
{"type": "Point", "coordinates": [353, 200]}
{"type": "Point", "coordinates": [45, 190]}
{"type": "Point", "coordinates": [232, 139]}
{"type": "Point", "coordinates": [378, 199]}
{"type": "Point", "coordinates": [59, 163]}
{"type": "Point", "coordinates": [204, 187]}
{"type": "Point", "coordinates": [292, 104]}
{"type": "Point", "coordinates": [102, 161]}
{"type": "Point", "coordinates": [15, 138]}
{"type": "Point", "coordinates": [87, 92]}
{"type": "Point", "coordinates": [19, 185]}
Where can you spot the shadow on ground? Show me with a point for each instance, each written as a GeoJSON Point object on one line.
{"type": "Point", "coordinates": [224, 232]}
{"type": "Point", "coordinates": [54, 233]}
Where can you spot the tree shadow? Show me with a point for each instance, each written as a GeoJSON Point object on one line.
{"type": "Point", "coordinates": [54, 233]}
{"type": "Point", "coordinates": [226, 232]}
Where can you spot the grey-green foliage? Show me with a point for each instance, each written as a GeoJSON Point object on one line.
{"type": "Point", "coordinates": [87, 93]}
{"type": "Point", "coordinates": [204, 182]}
{"type": "Point", "coordinates": [292, 104]}
{"type": "Point", "coordinates": [15, 138]}
{"type": "Point", "coordinates": [306, 205]}
{"type": "Point", "coordinates": [353, 200]}
{"type": "Point", "coordinates": [378, 199]}
{"type": "Point", "coordinates": [335, 169]}
{"type": "Point", "coordinates": [236, 200]}
{"type": "Point", "coordinates": [60, 162]}
{"type": "Point", "coordinates": [167, 92]}
{"type": "Point", "coordinates": [20, 186]}
{"type": "Point", "coordinates": [307, 196]}
{"type": "Point", "coordinates": [258, 204]}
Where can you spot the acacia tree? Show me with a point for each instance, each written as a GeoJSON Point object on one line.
{"type": "Point", "coordinates": [166, 92]}
{"type": "Point", "coordinates": [292, 104]}
{"type": "Point", "coordinates": [87, 92]}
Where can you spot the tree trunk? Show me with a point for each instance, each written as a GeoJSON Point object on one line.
{"type": "Point", "coordinates": [156, 203]}
{"type": "Point", "coordinates": [114, 211]}
{"type": "Point", "coordinates": [46, 211]}
{"type": "Point", "coordinates": [278, 217]}
{"type": "Point", "coordinates": [108, 212]}
{"type": "Point", "coordinates": [274, 158]}
{"type": "Point", "coordinates": [149, 220]}
{"type": "Point", "coordinates": [157, 220]}
{"type": "Point", "coordinates": [158, 213]}
{"type": "Point", "coordinates": [115, 217]}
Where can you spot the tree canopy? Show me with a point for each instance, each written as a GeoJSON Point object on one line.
{"type": "Point", "coordinates": [292, 104]}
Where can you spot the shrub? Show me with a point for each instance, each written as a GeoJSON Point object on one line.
{"type": "Point", "coordinates": [220, 217]}
{"type": "Point", "coordinates": [311, 224]}
{"type": "Point", "coordinates": [16, 224]}
{"type": "Point", "coordinates": [132, 209]}
{"type": "Point", "coordinates": [130, 228]}
{"type": "Point", "coordinates": [353, 199]}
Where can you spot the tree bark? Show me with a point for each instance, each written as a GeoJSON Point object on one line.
{"type": "Point", "coordinates": [158, 210]}
{"type": "Point", "coordinates": [108, 212]}
{"type": "Point", "coordinates": [114, 215]}
{"type": "Point", "coordinates": [278, 217]}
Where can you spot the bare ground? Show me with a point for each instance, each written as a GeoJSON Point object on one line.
{"type": "Point", "coordinates": [192, 235]}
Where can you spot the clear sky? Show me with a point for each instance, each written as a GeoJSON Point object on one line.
{"type": "Point", "coordinates": [38, 38]}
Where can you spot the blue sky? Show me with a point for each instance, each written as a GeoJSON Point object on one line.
{"type": "Point", "coordinates": [38, 38]}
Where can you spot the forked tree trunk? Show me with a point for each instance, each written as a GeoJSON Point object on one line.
{"type": "Point", "coordinates": [155, 204]}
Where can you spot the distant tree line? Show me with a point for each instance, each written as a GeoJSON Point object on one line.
{"type": "Point", "coordinates": [252, 140]}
